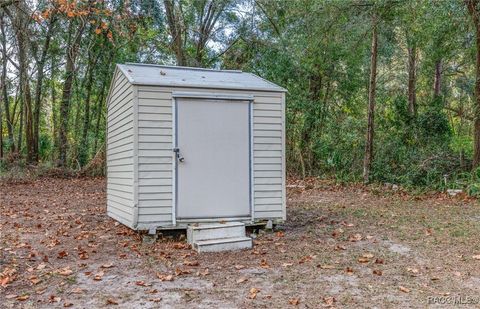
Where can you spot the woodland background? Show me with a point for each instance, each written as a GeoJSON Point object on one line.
{"type": "Point", "coordinates": [378, 91]}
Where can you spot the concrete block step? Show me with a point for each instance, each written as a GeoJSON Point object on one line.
{"type": "Point", "coordinates": [215, 231]}
{"type": "Point", "coordinates": [223, 244]}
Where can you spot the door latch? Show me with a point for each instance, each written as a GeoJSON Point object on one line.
{"type": "Point", "coordinates": [178, 155]}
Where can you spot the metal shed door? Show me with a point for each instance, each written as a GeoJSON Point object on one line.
{"type": "Point", "coordinates": [213, 161]}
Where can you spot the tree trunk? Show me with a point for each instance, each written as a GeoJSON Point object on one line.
{"type": "Point", "coordinates": [72, 52]}
{"type": "Point", "coordinates": [175, 26]}
{"type": "Point", "coordinates": [38, 89]}
{"type": "Point", "coordinates": [367, 162]}
{"type": "Point", "coordinates": [83, 153]}
{"type": "Point", "coordinates": [3, 84]}
{"type": "Point", "coordinates": [473, 10]}
{"type": "Point", "coordinates": [412, 80]}
{"type": "Point", "coordinates": [437, 81]}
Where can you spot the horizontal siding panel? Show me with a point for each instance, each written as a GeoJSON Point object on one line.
{"type": "Point", "coordinates": [268, 100]}
{"type": "Point", "coordinates": [161, 188]}
{"type": "Point", "coordinates": [120, 182]}
{"type": "Point", "coordinates": [145, 219]}
{"type": "Point", "coordinates": [155, 203]}
{"type": "Point", "coordinates": [267, 126]}
{"type": "Point", "coordinates": [120, 142]}
{"type": "Point", "coordinates": [118, 156]}
{"type": "Point", "coordinates": [268, 214]}
{"type": "Point", "coordinates": [155, 196]}
{"type": "Point", "coordinates": [154, 167]}
{"type": "Point", "coordinates": [265, 194]}
{"type": "Point", "coordinates": [155, 211]}
{"type": "Point", "coordinates": [268, 113]}
{"type": "Point", "coordinates": [149, 109]}
{"type": "Point", "coordinates": [267, 133]}
{"type": "Point", "coordinates": [268, 140]}
{"type": "Point", "coordinates": [156, 160]}
{"type": "Point", "coordinates": [267, 154]}
{"type": "Point", "coordinates": [155, 131]}
{"type": "Point", "coordinates": [267, 167]}
{"type": "Point", "coordinates": [155, 138]}
{"type": "Point", "coordinates": [126, 200]}
{"type": "Point", "coordinates": [157, 95]}
{"type": "Point", "coordinates": [267, 201]}
{"type": "Point", "coordinates": [121, 106]}
{"type": "Point", "coordinates": [121, 123]}
{"type": "Point", "coordinates": [155, 153]}
{"type": "Point", "coordinates": [121, 168]}
{"type": "Point", "coordinates": [155, 174]}
{"type": "Point", "coordinates": [268, 181]}
{"type": "Point", "coordinates": [154, 124]}
{"type": "Point", "coordinates": [113, 193]}
{"type": "Point", "coordinates": [120, 174]}
{"type": "Point", "coordinates": [263, 107]}
{"type": "Point", "coordinates": [120, 148]}
{"type": "Point", "coordinates": [154, 117]}
{"type": "Point", "coordinates": [267, 187]}
{"type": "Point", "coordinates": [126, 210]}
{"type": "Point", "coordinates": [155, 146]}
{"type": "Point", "coordinates": [267, 120]}
{"type": "Point", "coordinates": [155, 102]}
{"type": "Point", "coordinates": [119, 135]}
{"type": "Point", "coordinates": [154, 182]}
{"type": "Point", "coordinates": [267, 160]}
{"type": "Point", "coordinates": [122, 161]}
{"type": "Point", "coordinates": [272, 174]}
{"type": "Point", "coordinates": [127, 188]}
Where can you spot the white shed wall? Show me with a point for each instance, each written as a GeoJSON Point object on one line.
{"type": "Point", "coordinates": [120, 151]}
{"type": "Point", "coordinates": [155, 190]}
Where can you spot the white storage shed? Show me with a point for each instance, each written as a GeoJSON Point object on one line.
{"type": "Point", "coordinates": [190, 145]}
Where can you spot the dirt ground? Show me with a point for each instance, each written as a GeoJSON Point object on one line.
{"type": "Point", "coordinates": [343, 247]}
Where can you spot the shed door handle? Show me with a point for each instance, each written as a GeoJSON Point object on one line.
{"type": "Point", "coordinates": [178, 155]}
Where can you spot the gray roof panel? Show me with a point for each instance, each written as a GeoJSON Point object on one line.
{"type": "Point", "coordinates": [175, 76]}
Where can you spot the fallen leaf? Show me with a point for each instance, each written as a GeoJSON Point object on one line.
{"type": "Point", "coordinates": [355, 237]}
{"type": "Point", "coordinates": [329, 300]}
{"type": "Point", "coordinates": [62, 254]}
{"type": "Point", "coordinates": [98, 276]}
{"type": "Point", "coordinates": [155, 300]}
{"type": "Point", "coordinates": [238, 267]}
{"type": "Point", "coordinates": [23, 297]}
{"type": "Point", "coordinates": [404, 289]}
{"type": "Point", "coordinates": [253, 293]}
{"type": "Point", "coordinates": [191, 263]}
{"type": "Point", "coordinates": [294, 301]}
{"type": "Point", "coordinates": [67, 304]}
{"type": "Point", "coordinates": [264, 264]}
{"type": "Point", "coordinates": [287, 264]}
{"type": "Point", "coordinates": [377, 272]}
{"type": "Point", "coordinates": [11, 296]}
{"type": "Point", "coordinates": [476, 257]}
{"type": "Point", "coordinates": [108, 265]}
{"type": "Point", "coordinates": [164, 277]}
{"type": "Point", "coordinates": [111, 301]}
{"type": "Point", "coordinates": [66, 271]}
{"type": "Point", "coordinates": [242, 279]}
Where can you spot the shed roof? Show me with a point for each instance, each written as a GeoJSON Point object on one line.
{"type": "Point", "coordinates": [176, 76]}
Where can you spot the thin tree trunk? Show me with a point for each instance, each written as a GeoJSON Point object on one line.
{"type": "Point", "coordinates": [175, 26]}
{"type": "Point", "coordinates": [86, 117]}
{"type": "Point", "coordinates": [412, 80]}
{"type": "Point", "coordinates": [54, 111]}
{"type": "Point", "coordinates": [437, 81]}
{"type": "Point", "coordinates": [72, 52]}
{"type": "Point", "coordinates": [3, 83]}
{"type": "Point", "coordinates": [38, 89]}
{"type": "Point", "coordinates": [367, 162]}
{"type": "Point", "coordinates": [473, 10]}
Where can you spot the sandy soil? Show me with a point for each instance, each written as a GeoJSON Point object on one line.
{"type": "Point", "coordinates": [342, 247]}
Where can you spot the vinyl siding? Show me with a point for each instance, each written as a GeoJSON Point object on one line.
{"type": "Point", "coordinates": [154, 157]}
{"type": "Point", "coordinates": [120, 150]}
